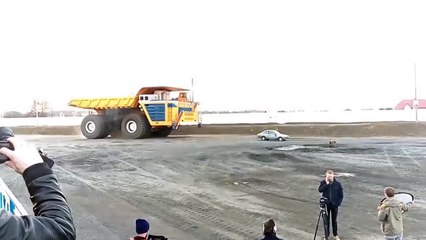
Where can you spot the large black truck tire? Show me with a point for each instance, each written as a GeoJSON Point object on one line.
{"type": "Point", "coordinates": [135, 125]}
{"type": "Point", "coordinates": [94, 127]}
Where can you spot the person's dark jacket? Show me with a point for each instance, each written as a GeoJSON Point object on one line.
{"type": "Point", "coordinates": [156, 237]}
{"type": "Point", "coordinates": [333, 192]}
{"type": "Point", "coordinates": [271, 237]}
{"type": "Point", "coordinates": [52, 220]}
{"type": "Point", "coordinates": [150, 237]}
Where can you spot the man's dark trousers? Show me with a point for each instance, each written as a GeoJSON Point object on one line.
{"type": "Point", "coordinates": [332, 212]}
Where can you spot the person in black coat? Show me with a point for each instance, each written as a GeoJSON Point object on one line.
{"type": "Point", "coordinates": [270, 230]}
{"type": "Point", "coordinates": [333, 191]}
{"type": "Point", "coordinates": [52, 217]}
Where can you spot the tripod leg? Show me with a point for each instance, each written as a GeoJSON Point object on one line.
{"type": "Point", "coordinates": [325, 219]}
{"type": "Point", "coordinates": [316, 229]}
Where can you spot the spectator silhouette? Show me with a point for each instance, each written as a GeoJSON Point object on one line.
{"type": "Point", "coordinates": [270, 230]}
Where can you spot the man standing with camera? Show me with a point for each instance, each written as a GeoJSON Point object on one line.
{"type": "Point", "coordinates": [333, 191]}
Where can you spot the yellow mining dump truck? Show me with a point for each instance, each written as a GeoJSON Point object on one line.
{"type": "Point", "coordinates": [153, 112]}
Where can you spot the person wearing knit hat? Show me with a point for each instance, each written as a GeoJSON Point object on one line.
{"type": "Point", "coordinates": [270, 230]}
{"type": "Point", "coordinates": [142, 226]}
{"type": "Point", "coordinates": [142, 231]}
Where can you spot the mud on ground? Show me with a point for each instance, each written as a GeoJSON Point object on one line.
{"type": "Point", "coordinates": [225, 187]}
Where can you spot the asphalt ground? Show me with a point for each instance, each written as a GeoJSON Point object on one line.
{"type": "Point", "coordinates": [225, 187]}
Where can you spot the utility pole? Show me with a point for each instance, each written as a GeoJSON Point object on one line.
{"type": "Point", "coordinates": [192, 89]}
{"type": "Point", "coordinates": [416, 103]}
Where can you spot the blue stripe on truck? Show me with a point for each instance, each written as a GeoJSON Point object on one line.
{"type": "Point", "coordinates": [157, 112]}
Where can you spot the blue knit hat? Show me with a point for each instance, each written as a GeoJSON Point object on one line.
{"type": "Point", "coordinates": [142, 226]}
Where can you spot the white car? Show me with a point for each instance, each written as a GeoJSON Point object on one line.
{"type": "Point", "coordinates": [272, 135]}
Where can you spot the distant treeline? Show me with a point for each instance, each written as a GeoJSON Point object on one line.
{"type": "Point", "coordinates": [16, 114]}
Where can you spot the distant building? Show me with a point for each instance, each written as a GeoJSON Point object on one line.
{"type": "Point", "coordinates": [409, 104]}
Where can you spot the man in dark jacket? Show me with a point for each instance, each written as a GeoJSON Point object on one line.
{"type": "Point", "coordinates": [333, 191]}
{"type": "Point", "coordinates": [52, 220]}
{"type": "Point", "coordinates": [270, 230]}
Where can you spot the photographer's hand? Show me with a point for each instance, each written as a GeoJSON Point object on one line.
{"type": "Point", "coordinates": [24, 155]}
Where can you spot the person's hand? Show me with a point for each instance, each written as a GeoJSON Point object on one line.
{"type": "Point", "coordinates": [382, 206]}
{"type": "Point", "coordinates": [24, 155]}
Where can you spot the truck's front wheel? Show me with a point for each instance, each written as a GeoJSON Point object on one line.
{"type": "Point", "coordinates": [135, 126]}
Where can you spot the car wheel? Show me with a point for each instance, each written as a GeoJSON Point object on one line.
{"type": "Point", "coordinates": [280, 139]}
{"type": "Point", "coordinates": [263, 138]}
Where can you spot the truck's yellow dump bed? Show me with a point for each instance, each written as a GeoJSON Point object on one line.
{"type": "Point", "coordinates": [104, 103]}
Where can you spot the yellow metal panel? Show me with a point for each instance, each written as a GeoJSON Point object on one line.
{"type": "Point", "coordinates": [161, 124]}
{"type": "Point", "coordinates": [189, 117]}
{"type": "Point", "coordinates": [103, 103]}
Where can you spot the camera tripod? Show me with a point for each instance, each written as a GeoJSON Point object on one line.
{"type": "Point", "coordinates": [324, 216]}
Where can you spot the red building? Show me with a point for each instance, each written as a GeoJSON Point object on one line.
{"type": "Point", "coordinates": [410, 103]}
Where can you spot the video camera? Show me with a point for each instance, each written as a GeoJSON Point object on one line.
{"type": "Point", "coordinates": [323, 203]}
{"type": "Point", "coordinates": [6, 133]}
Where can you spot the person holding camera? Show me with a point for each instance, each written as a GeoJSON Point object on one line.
{"type": "Point", "coordinates": [52, 218]}
{"type": "Point", "coordinates": [332, 190]}
{"type": "Point", "coordinates": [390, 215]}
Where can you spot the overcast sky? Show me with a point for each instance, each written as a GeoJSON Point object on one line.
{"type": "Point", "coordinates": [242, 54]}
